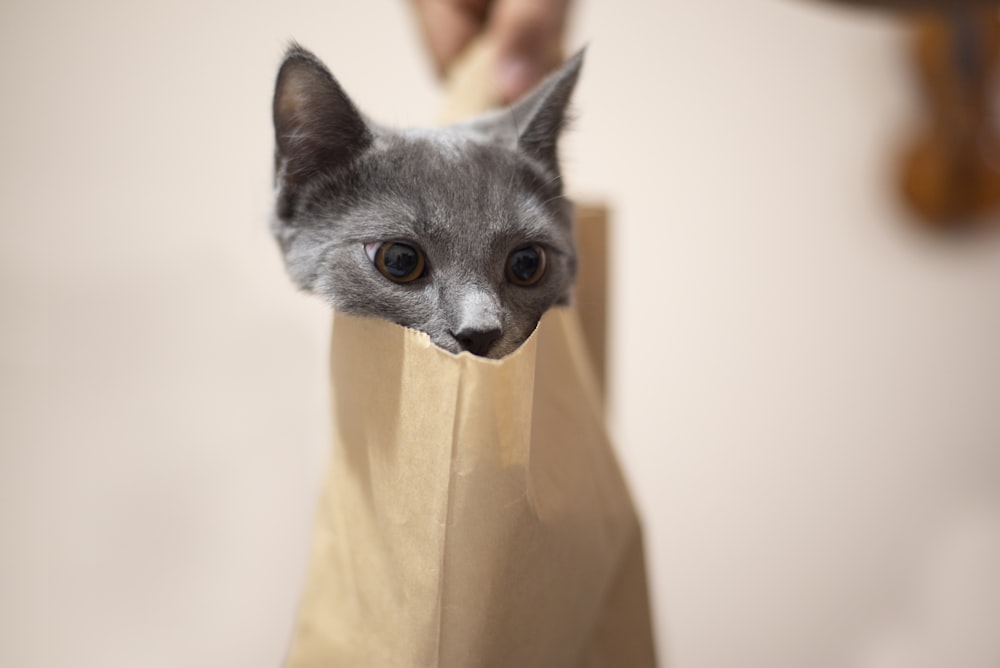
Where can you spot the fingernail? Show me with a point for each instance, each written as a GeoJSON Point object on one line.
{"type": "Point", "coordinates": [515, 76]}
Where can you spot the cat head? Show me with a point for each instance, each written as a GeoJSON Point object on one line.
{"type": "Point", "coordinates": [461, 232]}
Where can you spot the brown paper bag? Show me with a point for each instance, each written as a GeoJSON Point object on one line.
{"type": "Point", "coordinates": [474, 514]}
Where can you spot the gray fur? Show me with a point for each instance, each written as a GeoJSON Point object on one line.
{"type": "Point", "coordinates": [467, 195]}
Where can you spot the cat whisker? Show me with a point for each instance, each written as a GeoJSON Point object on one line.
{"type": "Point", "coordinates": [546, 184]}
{"type": "Point", "coordinates": [553, 199]}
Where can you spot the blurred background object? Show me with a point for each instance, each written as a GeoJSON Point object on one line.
{"type": "Point", "coordinates": [526, 36]}
{"type": "Point", "coordinates": [951, 174]}
{"type": "Point", "coordinates": [910, 5]}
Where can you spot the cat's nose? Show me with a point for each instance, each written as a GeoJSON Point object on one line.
{"type": "Point", "coordinates": [477, 341]}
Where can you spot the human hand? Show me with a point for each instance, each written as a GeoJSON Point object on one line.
{"type": "Point", "coordinates": [526, 34]}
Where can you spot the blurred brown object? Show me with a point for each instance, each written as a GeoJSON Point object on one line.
{"type": "Point", "coordinates": [950, 174]}
{"type": "Point", "coordinates": [916, 4]}
{"type": "Point", "coordinates": [591, 221]}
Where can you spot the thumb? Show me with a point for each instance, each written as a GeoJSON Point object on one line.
{"type": "Point", "coordinates": [528, 38]}
{"type": "Point", "coordinates": [449, 26]}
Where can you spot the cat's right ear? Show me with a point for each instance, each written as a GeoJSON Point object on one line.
{"type": "Point", "coordinates": [316, 126]}
{"type": "Point", "coordinates": [533, 124]}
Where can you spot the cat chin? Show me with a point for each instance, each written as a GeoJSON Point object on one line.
{"type": "Point", "coordinates": [502, 352]}
{"type": "Point", "coordinates": [499, 350]}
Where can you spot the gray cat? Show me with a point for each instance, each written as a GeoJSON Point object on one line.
{"type": "Point", "coordinates": [461, 232]}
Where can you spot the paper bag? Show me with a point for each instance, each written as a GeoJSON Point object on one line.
{"type": "Point", "coordinates": [473, 514]}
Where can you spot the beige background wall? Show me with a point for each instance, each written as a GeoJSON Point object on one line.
{"type": "Point", "coordinates": [805, 392]}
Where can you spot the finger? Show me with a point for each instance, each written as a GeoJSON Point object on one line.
{"type": "Point", "coordinates": [448, 26]}
{"type": "Point", "coordinates": [528, 36]}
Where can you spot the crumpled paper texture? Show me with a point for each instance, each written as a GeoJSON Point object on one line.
{"type": "Point", "coordinates": [473, 513]}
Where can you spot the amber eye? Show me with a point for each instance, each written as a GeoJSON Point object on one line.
{"type": "Point", "coordinates": [399, 262]}
{"type": "Point", "coordinates": [526, 265]}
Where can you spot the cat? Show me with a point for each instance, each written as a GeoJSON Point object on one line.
{"type": "Point", "coordinates": [461, 232]}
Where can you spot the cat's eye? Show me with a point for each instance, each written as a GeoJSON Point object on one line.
{"type": "Point", "coordinates": [526, 265]}
{"type": "Point", "coordinates": [399, 262]}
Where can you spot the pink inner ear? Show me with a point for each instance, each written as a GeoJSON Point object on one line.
{"type": "Point", "coordinates": [371, 249]}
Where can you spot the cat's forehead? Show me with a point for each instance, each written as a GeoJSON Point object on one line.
{"type": "Point", "coordinates": [450, 143]}
{"type": "Point", "coordinates": [440, 156]}
{"type": "Point", "coordinates": [446, 180]}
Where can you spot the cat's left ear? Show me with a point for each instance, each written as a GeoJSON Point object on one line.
{"type": "Point", "coordinates": [538, 118]}
{"type": "Point", "coordinates": [316, 126]}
